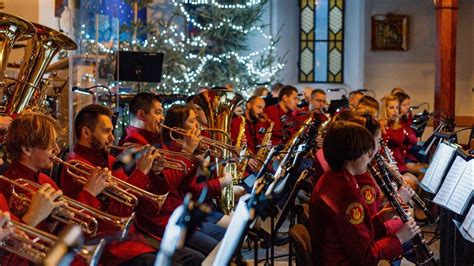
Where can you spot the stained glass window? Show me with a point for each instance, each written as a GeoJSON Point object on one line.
{"type": "Point", "coordinates": [321, 41]}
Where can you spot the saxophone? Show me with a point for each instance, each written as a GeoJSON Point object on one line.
{"type": "Point", "coordinates": [266, 141]}
{"type": "Point", "coordinates": [244, 154]}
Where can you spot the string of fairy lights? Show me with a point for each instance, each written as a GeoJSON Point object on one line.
{"type": "Point", "coordinates": [178, 41]}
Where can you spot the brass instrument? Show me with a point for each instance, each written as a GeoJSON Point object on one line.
{"type": "Point", "coordinates": [33, 244]}
{"type": "Point", "coordinates": [12, 28]}
{"type": "Point", "coordinates": [220, 146]}
{"type": "Point", "coordinates": [39, 52]}
{"type": "Point", "coordinates": [166, 158]}
{"type": "Point", "coordinates": [262, 153]}
{"type": "Point", "coordinates": [238, 169]}
{"type": "Point", "coordinates": [424, 256]}
{"type": "Point", "coordinates": [72, 212]}
{"type": "Point", "coordinates": [118, 189]}
{"type": "Point", "coordinates": [218, 106]}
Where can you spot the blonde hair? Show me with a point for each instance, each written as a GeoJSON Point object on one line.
{"type": "Point", "coordinates": [385, 100]}
{"type": "Point", "coordinates": [30, 130]}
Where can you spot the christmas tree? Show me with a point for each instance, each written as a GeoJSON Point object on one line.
{"type": "Point", "coordinates": [205, 44]}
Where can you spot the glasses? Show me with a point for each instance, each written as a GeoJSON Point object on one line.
{"type": "Point", "coordinates": [319, 100]}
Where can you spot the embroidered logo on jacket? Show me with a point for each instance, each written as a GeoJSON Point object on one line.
{"type": "Point", "coordinates": [355, 213]}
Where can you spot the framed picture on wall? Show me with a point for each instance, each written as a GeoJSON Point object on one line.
{"type": "Point", "coordinates": [389, 32]}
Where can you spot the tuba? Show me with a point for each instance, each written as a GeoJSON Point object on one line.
{"type": "Point", "coordinates": [40, 50]}
{"type": "Point", "coordinates": [12, 29]}
{"type": "Point", "coordinates": [218, 106]}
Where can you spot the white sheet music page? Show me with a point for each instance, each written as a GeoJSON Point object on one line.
{"type": "Point", "coordinates": [468, 224]}
{"type": "Point", "coordinates": [450, 182]}
{"type": "Point", "coordinates": [437, 167]}
{"type": "Point", "coordinates": [462, 192]}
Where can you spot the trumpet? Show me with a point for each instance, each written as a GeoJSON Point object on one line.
{"type": "Point", "coordinates": [205, 140]}
{"type": "Point", "coordinates": [166, 159]}
{"type": "Point", "coordinates": [72, 212]}
{"type": "Point", "coordinates": [118, 189]}
{"type": "Point", "coordinates": [33, 244]}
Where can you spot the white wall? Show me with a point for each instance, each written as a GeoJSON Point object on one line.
{"type": "Point", "coordinates": [415, 69]}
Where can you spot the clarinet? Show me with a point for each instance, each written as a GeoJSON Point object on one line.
{"type": "Point", "coordinates": [390, 164]}
{"type": "Point", "coordinates": [424, 255]}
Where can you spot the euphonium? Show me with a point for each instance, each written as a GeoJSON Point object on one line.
{"type": "Point", "coordinates": [118, 189]}
{"type": "Point", "coordinates": [12, 28]}
{"type": "Point", "coordinates": [33, 244]}
{"type": "Point", "coordinates": [39, 52]}
{"type": "Point", "coordinates": [219, 106]}
{"type": "Point", "coordinates": [73, 212]}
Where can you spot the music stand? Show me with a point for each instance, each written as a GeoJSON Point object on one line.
{"type": "Point", "coordinates": [139, 66]}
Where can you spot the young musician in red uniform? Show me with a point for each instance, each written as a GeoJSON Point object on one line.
{"type": "Point", "coordinates": [184, 117]}
{"type": "Point", "coordinates": [94, 133]}
{"type": "Point", "coordinates": [396, 136]}
{"type": "Point", "coordinates": [146, 116]}
{"type": "Point", "coordinates": [30, 143]}
{"type": "Point", "coordinates": [342, 231]}
{"type": "Point", "coordinates": [284, 115]}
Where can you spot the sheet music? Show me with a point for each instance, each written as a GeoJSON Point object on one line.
{"type": "Point", "coordinates": [468, 224]}
{"type": "Point", "coordinates": [450, 182]}
{"type": "Point", "coordinates": [437, 167]}
{"type": "Point", "coordinates": [462, 192]}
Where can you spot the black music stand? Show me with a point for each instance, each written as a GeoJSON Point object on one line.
{"type": "Point", "coordinates": [139, 66]}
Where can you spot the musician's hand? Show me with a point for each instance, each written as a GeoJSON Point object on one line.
{"type": "Point", "coordinates": [4, 230]}
{"type": "Point", "coordinates": [191, 141]}
{"type": "Point", "coordinates": [254, 165]}
{"type": "Point", "coordinates": [156, 168]}
{"type": "Point", "coordinates": [387, 213]}
{"type": "Point", "coordinates": [406, 193]}
{"type": "Point", "coordinates": [97, 181]}
{"type": "Point", "coordinates": [408, 231]}
{"type": "Point", "coordinates": [43, 202]}
{"type": "Point", "coordinates": [226, 179]}
{"type": "Point", "coordinates": [145, 162]}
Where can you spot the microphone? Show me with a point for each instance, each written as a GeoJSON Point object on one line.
{"type": "Point", "coordinates": [82, 90]}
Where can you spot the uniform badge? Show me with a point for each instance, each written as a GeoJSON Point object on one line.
{"type": "Point", "coordinates": [355, 213]}
{"type": "Point", "coordinates": [369, 194]}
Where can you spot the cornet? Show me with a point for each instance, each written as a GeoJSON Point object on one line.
{"type": "Point", "coordinates": [166, 158]}
{"type": "Point", "coordinates": [33, 244]}
{"type": "Point", "coordinates": [72, 212]}
{"type": "Point", "coordinates": [205, 140]}
{"type": "Point", "coordinates": [118, 189]}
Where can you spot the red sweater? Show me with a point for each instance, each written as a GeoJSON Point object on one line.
{"type": "Point", "coordinates": [342, 231]}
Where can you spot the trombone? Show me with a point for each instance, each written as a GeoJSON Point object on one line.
{"type": "Point", "coordinates": [72, 212]}
{"type": "Point", "coordinates": [166, 159]}
{"type": "Point", "coordinates": [205, 140]}
{"type": "Point", "coordinates": [33, 244]}
{"type": "Point", "coordinates": [118, 189]}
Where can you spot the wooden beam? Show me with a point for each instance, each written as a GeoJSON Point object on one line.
{"type": "Point", "coordinates": [445, 61]}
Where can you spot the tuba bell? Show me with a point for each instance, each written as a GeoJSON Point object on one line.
{"type": "Point", "coordinates": [12, 29]}
{"type": "Point", "coordinates": [219, 106]}
{"type": "Point", "coordinates": [39, 52]}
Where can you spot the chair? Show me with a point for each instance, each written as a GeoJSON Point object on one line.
{"type": "Point", "coordinates": [299, 236]}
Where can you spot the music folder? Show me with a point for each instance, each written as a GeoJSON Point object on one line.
{"type": "Point", "coordinates": [438, 167]}
{"type": "Point", "coordinates": [457, 187]}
